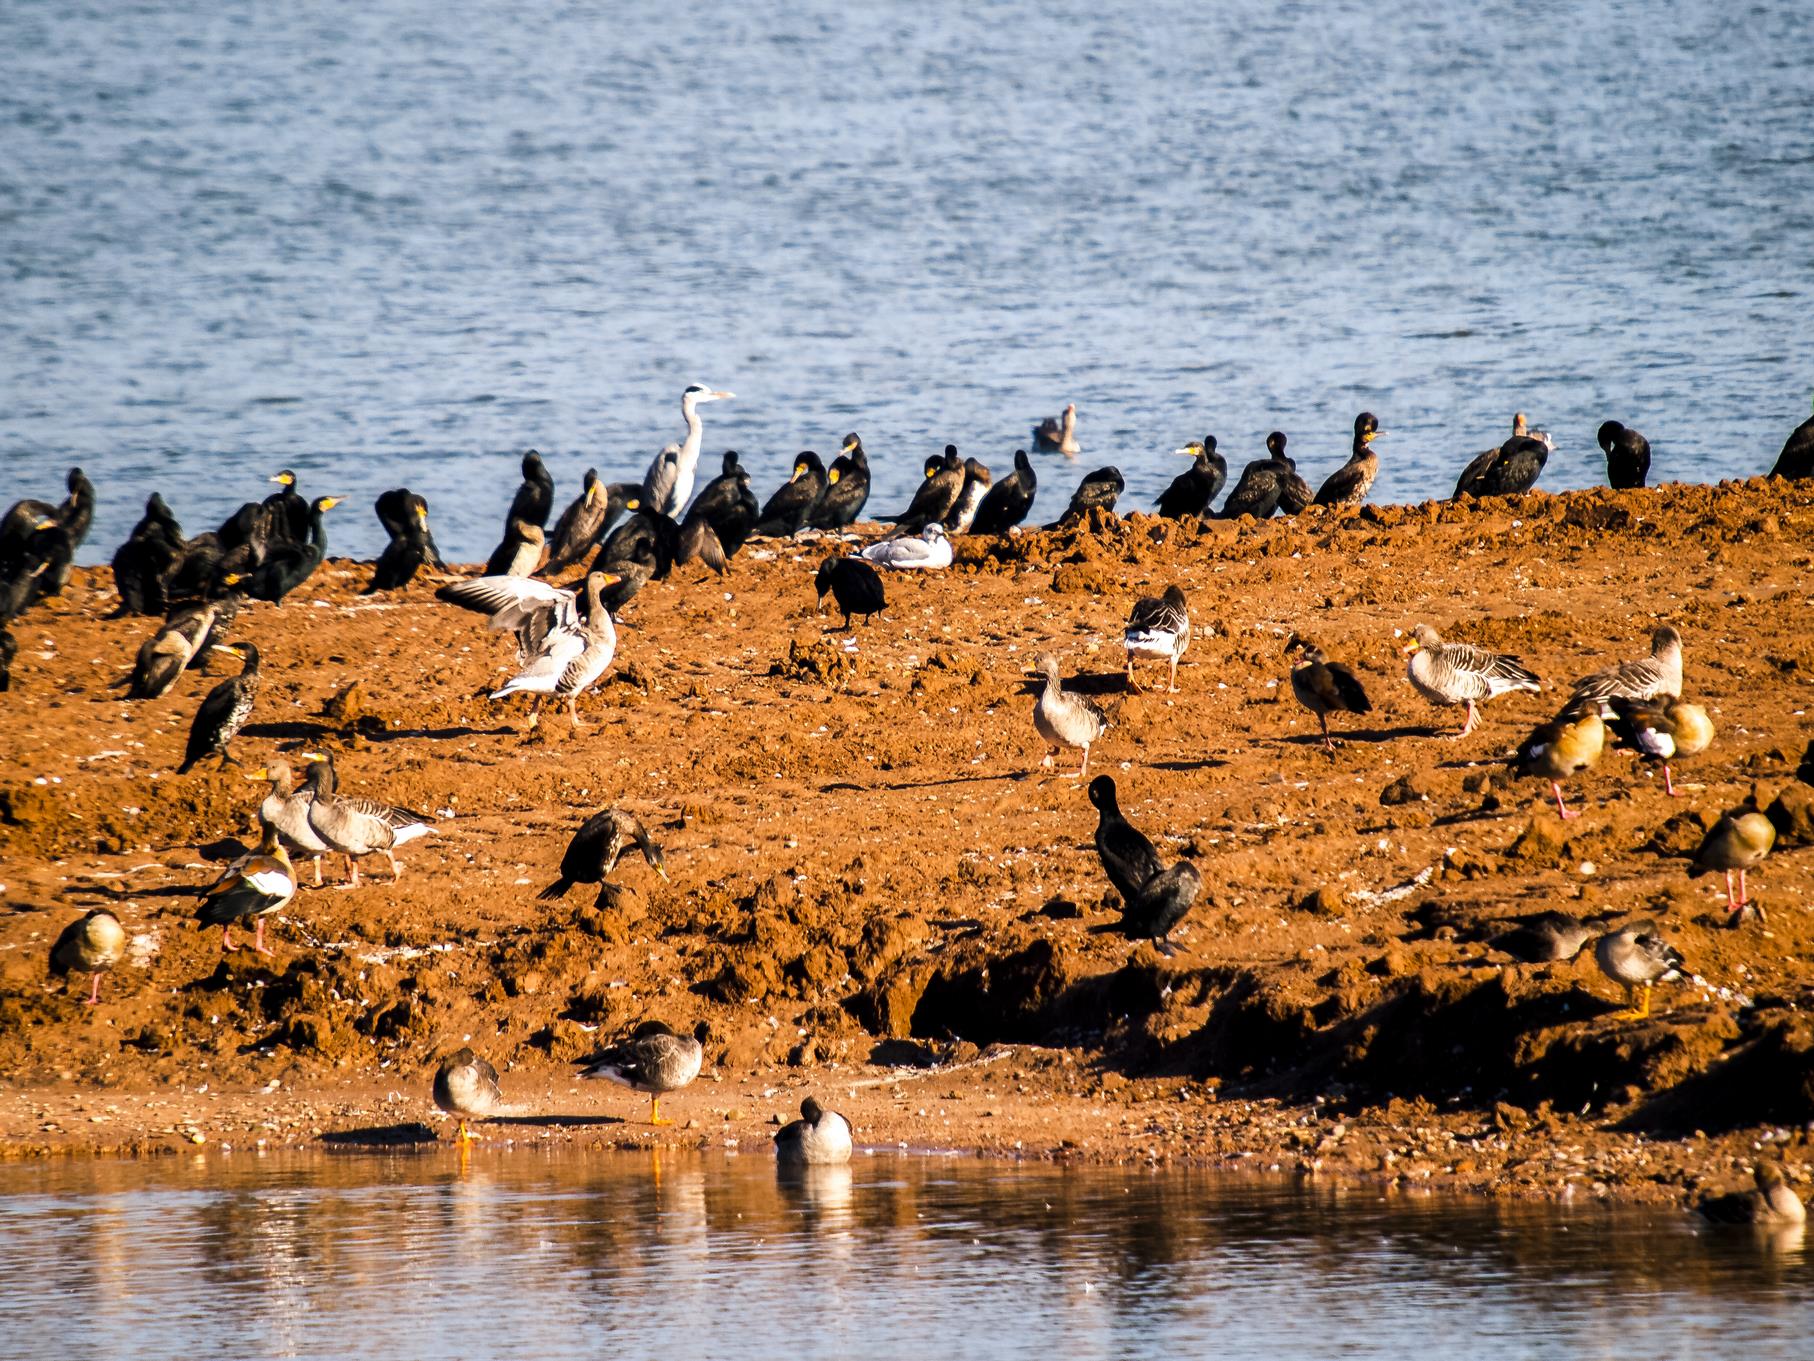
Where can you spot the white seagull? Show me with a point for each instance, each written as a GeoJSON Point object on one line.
{"type": "Point", "coordinates": [930, 550]}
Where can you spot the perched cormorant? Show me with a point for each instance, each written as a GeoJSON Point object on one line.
{"type": "Point", "coordinates": [225, 710]}
{"type": "Point", "coordinates": [289, 565]}
{"type": "Point", "coordinates": [1007, 502]}
{"type": "Point", "coordinates": [1627, 455]}
{"type": "Point", "coordinates": [647, 536]}
{"type": "Point", "coordinates": [1058, 434]}
{"type": "Point", "coordinates": [1153, 899]}
{"type": "Point", "coordinates": [1263, 483]}
{"type": "Point", "coordinates": [53, 555]}
{"type": "Point", "coordinates": [846, 488]}
{"type": "Point", "coordinates": [531, 505]}
{"type": "Point", "coordinates": [935, 496]}
{"type": "Point", "coordinates": [726, 506]}
{"type": "Point", "coordinates": [1797, 456]}
{"type": "Point", "coordinates": [787, 510]}
{"type": "Point", "coordinates": [593, 853]}
{"type": "Point", "coordinates": [404, 516]}
{"type": "Point", "coordinates": [854, 584]}
{"type": "Point", "coordinates": [186, 634]}
{"type": "Point", "coordinates": [286, 513]}
{"type": "Point", "coordinates": [819, 1138]}
{"type": "Point", "coordinates": [581, 525]}
{"type": "Point", "coordinates": [962, 514]}
{"type": "Point", "coordinates": [1099, 490]}
{"type": "Point", "coordinates": [1193, 489]}
{"type": "Point", "coordinates": [1349, 484]}
{"type": "Point", "coordinates": [143, 564]}
{"type": "Point", "coordinates": [1511, 469]}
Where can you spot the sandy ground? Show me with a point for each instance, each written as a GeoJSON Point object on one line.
{"type": "Point", "coordinates": [877, 896]}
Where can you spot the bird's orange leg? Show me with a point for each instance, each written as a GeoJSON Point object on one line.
{"type": "Point", "coordinates": [1562, 807]}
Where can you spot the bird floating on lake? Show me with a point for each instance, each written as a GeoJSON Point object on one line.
{"type": "Point", "coordinates": [819, 1138]}
{"type": "Point", "coordinates": [1058, 434]}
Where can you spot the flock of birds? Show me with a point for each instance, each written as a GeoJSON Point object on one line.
{"type": "Point", "coordinates": [567, 640]}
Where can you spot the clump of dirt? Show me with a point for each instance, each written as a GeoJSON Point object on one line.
{"type": "Point", "coordinates": [819, 661]}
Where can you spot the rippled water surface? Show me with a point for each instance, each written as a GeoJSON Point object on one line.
{"type": "Point", "coordinates": [397, 242]}
{"type": "Point", "coordinates": [619, 1255]}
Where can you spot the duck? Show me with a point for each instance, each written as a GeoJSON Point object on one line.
{"type": "Point", "coordinates": [1007, 502]}
{"type": "Point", "coordinates": [1263, 483]}
{"type": "Point", "coordinates": [1098, 491]}
{"type": "Point", "coordinates": [143, 564]}
{"type": "Point", "coordinates": [1637, 958]}
{"type": "Point", "coordinates": [1064, 718]}
{"type": "Point", "coordinates": [1739, 841]}
{"type": "Point", "coordinates": [1627, 455]}
{"type": "Point", "coordinates": [962, 515]}
{"type": "Point", "coordinates": [654, 1059]}
{"type": "Point", "coordinates": [1192, 490]}
{"type": "Point", "coordinates": [1324, 687]}
{"type": "Point", "coordinates": [1658, 676]}
{"type": "Point", "coordinates": [1460, 673]}
{"type": "Point", "coordinates": [411, 546]}
{"type": "Point", "coordinates": [727, 507]}
{"type": "Point", "coordinates": [225, 710]}
{"type": "Point", "coordinates": [1797, 457]}
{"type": "Point", "coordinates": [930, 550]}
{"type": "Point", "coordinates": [563, 654]}
{"type": "Point", "coordinates": [854, 584]}
{"type": "Point", "coordinates": [467, 1086]}
{"type": "Point", "coordinates": [1566, 745]}
{"type": "Point", "coordinates": [1058, 434]}
{"type": "Point", "coordinates": [936, 494]}
{"type": "Point", "coordinates": [1770, 1202]}
{"type": "Point", "coordinates": [1349, 484]}
{"type": "Point", "coordinates": [93, 944]}
{"type": "Point", "coordinates": [595, 849]}
{"type": "Point", "coordinates": [819, 1138]}
{"type": "Point", "coordinates": [1545, 938]}
{"type": "Point", "coordinates": [1154, 899]}
{"type": "Point", "coordinates": [846, 487]}
{"type": "Point", "coordinates": [286, 566]}
{"type": "Point", "coordinates": [286, 808]}
{"type": "Point", "coordinates": [1158, 627]}
{"type": "Point", "coordinates": [582, 524]}
{"type": "Point", "coordinates": [254, 887]}
{"type": "Point", "coordinates": [1661, 732]}
{"type": "Point", "coordinates": [793, 503]}
{"type": "Point", "coordinates": [357, 827]}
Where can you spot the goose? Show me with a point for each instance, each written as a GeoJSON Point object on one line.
{"type": "Point", "coordinates": [653, 1059]}
{"type": "Point", "coordinates": [564, 655]}
{"type": "Point", "coordinates": [819, 1138]}
{"type": "Point", "coordinates": [1063, 718]}
{"type": "Point", "coordinates": [93, 944]}
{"type": "Point", "coordinates": [1158, 627]}
{"type": "Point", "coordinates": [1460, 673]}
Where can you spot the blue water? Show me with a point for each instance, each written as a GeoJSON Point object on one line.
{"type": "Point", "coordinates": [397, 242]}
{"type": "Point", "coordinates": [587, 1255]}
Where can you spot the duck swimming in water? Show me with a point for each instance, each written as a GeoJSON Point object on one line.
{"type": "Point", "coordinates": [1058, 434]}
{"type": "Point", "coordinates": [819, 1138]}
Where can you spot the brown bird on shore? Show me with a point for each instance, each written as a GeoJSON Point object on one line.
{"type": "Point", "coordinates": [1460, 673]}
{"type": "Point", "coordinates": [595, 849]}
{"type": "Point", "coordinates": [1739, 841]}
{"type": "Point", "coordinates": [1771, 1202]}
{"type": "Point", "coordinates": [357, 827]}
{"type": "Point", "coordinates": [91, 944]}
{"type": "Point", "coordinates": [654, 1059]}
{"type": "Point", "coordinates": [1324, 687]}
{"type": "Point", "coordinates": [466, 1085]}
{"type": "Point", "coordinates": [1661, 732]}
{"type": "Point", "coordinates": [287, 809]}
{"type": "Point", "coordinates": [1569, 743]}
{"type": "Point", "coordinates": [1065, 719]}
{"type": "Point", "coordinates": [1349, 484]}
{"type": "Point", "coordinates": [1545, 938]}
{"type": "Point", "coordinates": [254, 886]}
{"type": "Point", "coordinates": [1658, 676]}
{"type": "Point", "coordinates": [1635, 957]}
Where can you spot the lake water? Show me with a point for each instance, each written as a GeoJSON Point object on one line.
{"type": "Point", "coordinates": [393, 242]}
{"type": "Point", "coordinates": [522, 1254]}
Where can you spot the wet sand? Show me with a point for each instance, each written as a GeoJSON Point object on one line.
{"type": "Point", "coordinates": [869, 871]}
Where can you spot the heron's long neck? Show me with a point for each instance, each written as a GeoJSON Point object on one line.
{"type": "Point", "coordinates": [689, 448]}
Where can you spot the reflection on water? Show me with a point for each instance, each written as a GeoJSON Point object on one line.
{"type": "Point", "coordinates": [595, 1254]}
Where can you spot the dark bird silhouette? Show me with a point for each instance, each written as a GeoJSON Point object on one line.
{"type": "Point", "coordinates": [795, 500]}
{"type": "Point", "coordinates": [1797, 457]}
{"type": "Point", "coordinates": [1510, 469]}
{"type": "Point", "coordinates": [1058, 434]}
{"type": "Point", "coordinates": [846, 488]}
{"type": "Point", "coordinates": [977, 480]}
{"type": "Point", "coordinates": [288, 565]}
{"type": "Point", "coordinates": [1349, 484]}
{"type": "Point", "coordinates": [1154, 899]}
{"type": "Point", "coordinates": [585, 521]}
{"type": "Point", "coordinates": [1627, 455]}
{"type": "Point", "coordinates": [647, 537]}
{"type": "Point", "coordinates": [1007, 502]}
{"type": "Point", "coordinates": [1192, 490]}
{"type": "Point", "coordinates": [1262, 484]}
{"type": "Point", "coordinates": [224, 712]}
{"type": "Point", "coordinates": [404, 516]}
{"type": "Point", "coordinates": [49, 562]}
{"type": "Point", "coordinates": [531, 505]}
{"type": "Point", "coordinates": [935, 496]}
{"type": "Point", "coordinates": [1098, 491]}
{"type": "Point", "coordinates": [1324, 687]}
{"type": "Point", "coordinates": [726, 506]}
{"type": "Point", "coordinates": [854, 584]}
{"type": "Point", "coordinates": [595, 849]}
{"type": "Point", "coordinates": [143, 564]}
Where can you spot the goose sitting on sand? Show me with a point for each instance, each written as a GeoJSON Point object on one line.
{"type": "Point", "coordinates": [1065, 719]}
{"type": "Point", "coordinates": [1658, 676]}
{"type": "Point", "coordinates": [654, 1059]}
{"type": "Point", "coordinates": [1460, 673]}
{"type": "Point", "coordinates": [466, 1085]}
{"type": "Point", "coordinates": [91, 944]}
{"type": "Point", "coordinates": [1739, 841]}
{"type": "Point", "coordinates": [1158, 627]}
{"type": "Point", "coordinates": [1324, 687]}
{"type": "Point", "coordinates": [564, 654]}
{"type": "Point", "coordinates": [1566, 745]}
{"type": "Point", "coordinates": [930, 551]}
{"type": "Point", "coordinates": [1636, 958]}
{"type": "Point", "coordinates": [819, 1138]}
{"type": "Point", "coordinates": [1770, 1203]}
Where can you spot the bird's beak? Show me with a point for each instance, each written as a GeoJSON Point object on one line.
{"type": "Point", "coordinates": [311, 756]}
{"type": "Point", "coordinates": [46, 523]}
{"type": "Point", "coordinates": [933, 472]}
{"type": "Point", "coordinates": [1408, 648]}
{"type": "Point", "coordinates": [662, 871]}
{"type": "Point", "coordinates": [1187, 451]}
{"type": "Point", "coordinates": [229, 649]}
{"type": "Point", "coordinates": [633, 504]}
{"type": "Point", "coordinates": [1373, 435]}
{"type": "Point", "coordinates": [422, 514]}
{"type": "Point", "coordinates": [799, 468]}
{"type": "Point", "coordinates": [592, 494]}
{"type": "Point", "coordinates": [611, 578]}
{"type": "Point", "coordinates": [329, 502]}
{"type": "Point", "coordinates": [284, 478]}
{"type": "Point", "coordinates": [719, 396]}
{"type": "Point", "coordinates": [234, 578]}
{"type": "Point", "coordinates": [831, 478]}
{"type": "Point", "coordinates": [847, 446]}
{"type": "Point", "coordinates": [262, 773]}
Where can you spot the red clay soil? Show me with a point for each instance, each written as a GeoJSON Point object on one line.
{"type": "Point", "coordinates": [870, 874]}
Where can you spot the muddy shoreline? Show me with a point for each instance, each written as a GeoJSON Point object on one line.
{"type": "Point", "coordinates": [869, 872]}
